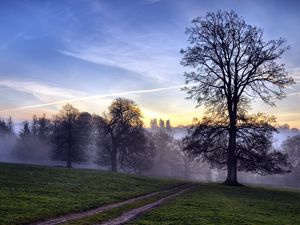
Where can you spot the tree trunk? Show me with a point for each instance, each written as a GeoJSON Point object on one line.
{"type": "Point", "coordinates": [114, 160]}
{"type": "Point", "coordinates": [69, 150]}
{"type": "Point", "coordinates": [69, 163]}
{"type": "Point", "coordinates": [231, 156]}
{"type": "Point", "coordinates": [69, 158]}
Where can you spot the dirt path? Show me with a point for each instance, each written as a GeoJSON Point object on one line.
{"type": "Point", "coordinates": [75, 216]}
{"type": "Point", "coordinates": [133, 214]}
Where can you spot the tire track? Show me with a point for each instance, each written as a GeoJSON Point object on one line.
{"type": "Point", "coordinates": [104, 208]}
{"type": "Point", "coordinates": [135, 213]}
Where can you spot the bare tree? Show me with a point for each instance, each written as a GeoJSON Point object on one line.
{"type": "Point", "coordinates": [138, 151]}
{"type": "Point", "coordinates": [71, 135]}
{"type": "Point", "coordinates": [123, 114]}
{"type": "Point", "coordinates": [208, 140]}
{"type": "Point", "coordinates": [232, 64]}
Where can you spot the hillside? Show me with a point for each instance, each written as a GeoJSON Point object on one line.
{"type": "Point", "coordinates": [219, 204]}
{"type": "Point", "coordinates": [38, 193]}
{"type": "Point", "coordinates": [30, 193]}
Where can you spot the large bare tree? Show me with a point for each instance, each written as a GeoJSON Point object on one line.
{"type": "Point", "coordinates": [231, 64]}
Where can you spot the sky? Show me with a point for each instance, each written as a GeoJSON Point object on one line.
{"type": "Point", "coordinates": [89, 52]}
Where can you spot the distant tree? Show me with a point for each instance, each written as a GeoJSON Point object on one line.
{"type": "Point", "coordinates": [31, 145]}
{"type": "Point", "coordinates": [168, 126]}
{"type": "Point", "coordinates": [291, 146]}
{"type": "Point", "coordinates": [115, 126]}
{"type": "Point", "coordinates": [187, 159]}
{"type": "Point", "coordinates": [153, 124]}
{"type": "Point", "coordinates": [5, 127]}
{"type": "Point", "coordinates": [24, 143]}
{"type": "Point", "coordinates": [232, 65]}
{"type": "Point", "coordinates": [83, 133]}
{"type": "Point", "coordinates": [208, 140]}
{"type": "Point", "coordinates": [10, 126]}
{"type": "Point", "coordinates": [71, 132]}
{"type": "Point", "coordinates": [166, 160]}
{"type": "Point", "coordinates": [138, 151]}
{"type": "Point", "coordinates": [161, 124]}
{"type": "Point", "coordinates": [44, 128]}
{"type": "Point", "coordinates": [25, 131]}
{"type": "Point", "coordinates": [34, 125]}
{"type": "Point", "coordinates": [295, 130]}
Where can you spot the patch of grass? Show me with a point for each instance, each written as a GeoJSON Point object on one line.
{"type": "Point", "coordinates": [219, 204]}
{"type": "Point", "coordinates": [30, 193]}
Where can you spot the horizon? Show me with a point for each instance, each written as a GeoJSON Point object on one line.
{"type": "Point", "coordinates": [53, 53]}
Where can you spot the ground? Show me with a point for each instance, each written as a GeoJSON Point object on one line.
{"type": "Point", "coordinates": [29, 193]}
{"type": "Point", "coordinates": [219, 204]}
{"type": "Point", "coordinates": [32, 193]}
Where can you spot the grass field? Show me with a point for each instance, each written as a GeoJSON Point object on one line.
{"type": "Point", "coordinates": [219, 204]}
{"type": "Point", "coordinates": [29, 193]}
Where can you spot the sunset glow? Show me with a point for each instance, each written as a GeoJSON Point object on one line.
{"type": "Point", "coordinates": [89, 52]}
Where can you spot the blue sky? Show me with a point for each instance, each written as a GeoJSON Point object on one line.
{"type": "Point", "coordinates": [52, 52]}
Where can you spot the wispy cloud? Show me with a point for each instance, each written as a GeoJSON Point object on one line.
{"type": "Point", "coordinates": [94, 97]}
{"type": "Point", "coordinates": [42, 91]}
{"type": "Point", "coordinates": [151, 52]}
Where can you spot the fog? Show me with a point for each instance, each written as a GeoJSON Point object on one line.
{"type": "Point", "coordinates": [166, 163]}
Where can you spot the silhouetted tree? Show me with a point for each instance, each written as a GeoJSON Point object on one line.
{"type": "Point", "coordinates": [232, 64]}
{"type": "Point", "coordinates": [153, 124]}
{"type": "Point", "coordinates": [168, 126]}
{"type": "Point", "coordinates": [161, 124]}
{"type": "Point", "coordinates": [6, 127]}
{"type": "Point", "coordinates": [44, 128]}
{"type": "Point", "coordinates": [25, 131]}
{"type": "Point", "coordinates": [138, 151]}
{"type": "Point", "coordinates": [254, 152]}
{"type": "Point", "coordinates": [71, 132]}
{"type": "Point", "coordinates": [122, 116]}
{"type": "Point", "coordinates": [10, 126]}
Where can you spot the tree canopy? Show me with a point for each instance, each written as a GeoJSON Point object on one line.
{"type": "Point", "coordinates": [231, 64]}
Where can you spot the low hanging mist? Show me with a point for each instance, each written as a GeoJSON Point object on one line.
{"type": "Point", "coordinates": [118, 141]}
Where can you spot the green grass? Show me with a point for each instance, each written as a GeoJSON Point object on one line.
{"type": "Point", "coordinates": [218, 204]}
{"type": "Point", "coordinates": [30, 193]}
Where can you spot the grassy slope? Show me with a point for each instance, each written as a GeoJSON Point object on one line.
{"type": "Point", "coordinates": [29, 193]}
{"type": "Point", "coordinates": [218, 204]}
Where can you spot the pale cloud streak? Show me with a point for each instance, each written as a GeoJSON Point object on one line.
{"type": "Point", "coordinates": [41, 91]}
{"type": "Point", "coordinates": [86, 98]}
{"type": "Point", "coordinates": [148, 52]}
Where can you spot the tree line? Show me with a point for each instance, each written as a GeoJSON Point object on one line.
{"type": "Point", "coordinates": [117, 140]}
